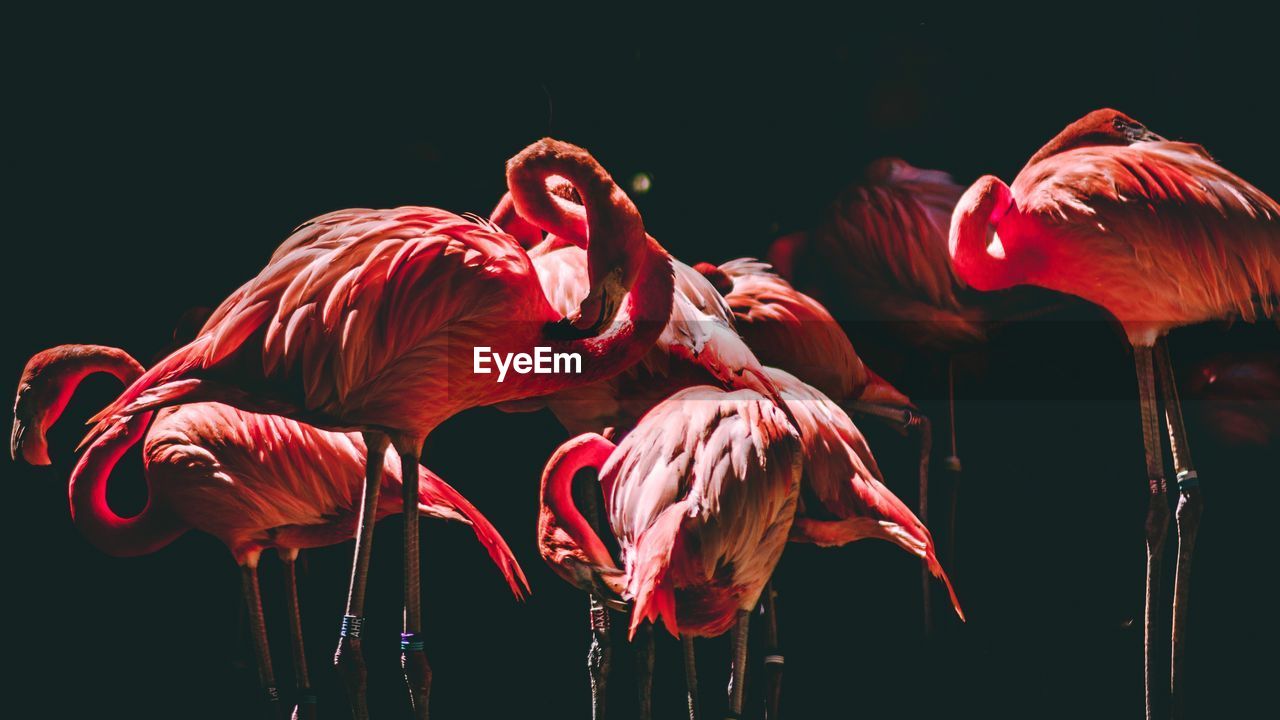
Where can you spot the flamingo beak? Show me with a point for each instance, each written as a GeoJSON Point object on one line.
{"type": "Point", "coordinates": [600, 307]}
{"type": "Point", "coordinates": [31, 448]}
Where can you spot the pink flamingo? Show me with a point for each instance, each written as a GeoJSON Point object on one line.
{"type": "Point", "coordinates": [369, 320]}
{"type": "Point", "coordinates": [701, 495]}
{"type": "Point", "coordinates": [878, 259]}
{"type": "Point", "coordinates": [699, 346]}
{"type": "Point", "coordinates": [1160, 236]}
{"type": "Point", "coordinates": [791, 330]}
{"type": "Point", "coordinates": [255, 482]}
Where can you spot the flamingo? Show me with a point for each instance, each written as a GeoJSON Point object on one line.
{"type": "Point", "coordinates": [1158, 234]}
{"type": "Point", "coordinates": [370, 320]}
{"type": "Point", "coordinates": [791, 330]}
{"type": "Point", "coordinates": [878, 260]}
{"type": "Point", "coordinates": [699, 345]}
{"type": "Point", "coordinates": [255, 482]}
{"type": "Point", "coordinates": [700, 495]}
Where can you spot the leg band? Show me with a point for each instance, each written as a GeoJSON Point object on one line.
{"type": "Point", "coordinates": [352, 625]}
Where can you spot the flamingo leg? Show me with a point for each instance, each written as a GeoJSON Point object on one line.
{"type": "Point", "coordinates": [600, 654]}
{"type": "Point", "coordinates": [305, 709]}
{"type": "Point", "coordinates": [690, 675]}
{"type": "Point", "coordinates": [926, 579]}
{"type": "Point", "coordinates": [599, 657]}
{"type": "Point", "coordinates": [904, 419]}
{"type": "Point", "coordinates": [1157, 522]}
{"type": "Point", "coordinates": [258, 629]}
{"type": "Point", "coordinates": [773, 660]}
{"type": "Point", "coordinates": [953, 466]}
{"type": "Point", "coordinates": [1187, 520]}
{"type": "Point", "coordinates": [348, 658]}
{"type": "Point", "coordinates": [644, 670]}
{"type": "Point", "coordinates": [738, 676]}
{"type": "Point", "coordinates": [413, 656]}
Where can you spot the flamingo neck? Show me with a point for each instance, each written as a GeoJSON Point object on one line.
{"type": "Point", "coordinates": [558, 509]}
{"type": "Point", "coordinates": [48, 382]}
{"type": "Point", "coordinates": [146, 532]}
{"type": "Point", "coordinates": [978, 258]}
{"type": "Point", "coordinates": [646, 311]}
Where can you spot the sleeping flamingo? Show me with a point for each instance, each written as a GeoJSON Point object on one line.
{"type": "Point", "coordinates": [370, 320]}
{"type": "Point", "coordinates": [255, 482]}
{"type": "Point", "coordinates": [700, 496]}
{"type": "Point", "coordinates": [1160, 236]}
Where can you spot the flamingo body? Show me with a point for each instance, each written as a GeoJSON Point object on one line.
{"type": "Point", "coordinates": [700, 495]}
{"type": "Point", "coordinates": [788, 329]}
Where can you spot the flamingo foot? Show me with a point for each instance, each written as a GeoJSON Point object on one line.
{"type": "Point", "coordinates": [349, 660]}
{"type": "Point", "coordinates": [417, 673]}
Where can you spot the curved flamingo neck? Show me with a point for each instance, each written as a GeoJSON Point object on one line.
{"type": "Point", "coordinates": [584, 451]}
{"type": "Point", "coordinates": [504, 215]}
{"type": "Point", "coordinates": [982, 208]}
{"type": "Point", "coordinates": [146, 532]}
{"type": "Point", "coordinates": [48, 382]}
{"type": "Point", "coordinates": [646, 311]}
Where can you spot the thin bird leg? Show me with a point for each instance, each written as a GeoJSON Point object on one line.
{"type": "Point", "coordinates": [1187, 519]}
{"type": "Point", "coordinates": [1157, 522]}
{"type": "Point", "coordinates": [258, 629]}
{"type": "Point", "coordinates": [690, 676]}
{"type": "Point", "coordinates": [413, 657]}
{"type": "Point", "coordinates": [738, 676]}
{"type": "Point", "coordinates": [773, 660]}
{"type": "Point", "coordinates": [926, 579]}
{"type": "Point", "coordinates": [952, 466]}
{"type": "Point", "coordinates": [349, 659]}
{"type": "Point", "coordinates": [305, 709]}
{"type": "Point", "coordinates": [600, 655]}
{"type": "Point", "coordinates": [644, 670]}
{"type": "Point", "coordinates": [904, 419]}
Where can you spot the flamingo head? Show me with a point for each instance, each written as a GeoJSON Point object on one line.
{"type": "Point", "coordinates": [42, 395]}
{"type": "Point", "coordinates": [719, 278]}
{"type": "Point", "coordinates": [1100, 127]}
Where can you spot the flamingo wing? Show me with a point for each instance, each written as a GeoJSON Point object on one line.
{"type": "Point", "coordinates": [702, 495]}
{"type": "Point", "coordinates": [340, 309]}
{"type": "Point", "coordinates": [786, 328]}
{"type": "Point", "coordinates": [1188, 231]}
{"type": "Point", "coordinates": [844, 492]}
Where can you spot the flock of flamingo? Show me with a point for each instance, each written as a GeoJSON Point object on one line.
{"type": "Point", "coordinates": [715, 405]}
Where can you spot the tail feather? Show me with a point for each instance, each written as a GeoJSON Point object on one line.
{"type": "Point", "coordinates": [488, 535]}
{"type": "Point", "coordinates": [650, 583]}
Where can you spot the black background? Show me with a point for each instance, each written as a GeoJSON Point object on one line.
{"type": "Point", "coordinates": [155, 160]}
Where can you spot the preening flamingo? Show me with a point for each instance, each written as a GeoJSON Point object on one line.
{"type": "Point", "coordinates": [255, 482]}
{"type": "Point", "coordinates": [1158, 234]}
{"type": "Point", "coordinates": [368, 319]}
{"type": "Point", "coordinates": [699, 345]}
{"type": "Point", "coordinates": [700, 495]}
